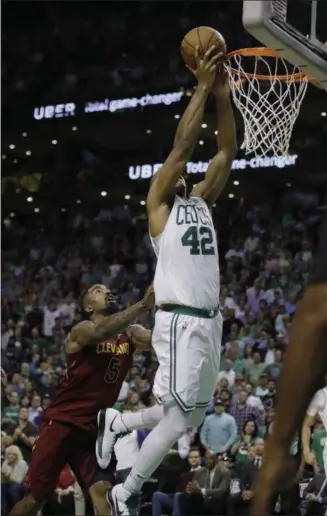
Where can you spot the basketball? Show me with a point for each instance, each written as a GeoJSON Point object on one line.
{"type": "Point", "coordinates": [205, 37]}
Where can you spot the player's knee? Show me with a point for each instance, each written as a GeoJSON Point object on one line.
{"type": "Point", "coordinates": [179, 423]}
{"type": "Point", "coordinates": [28, 505]}
{"type": "Point", "coordinates": [197, 417]}
{"type": "Point", "coordinates": [180, 429]}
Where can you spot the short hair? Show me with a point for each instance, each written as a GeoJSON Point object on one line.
{"type": "Point", "coordinates": [82, 300]}
{"type": "Point", "coordinates": [243, 390]}
{"type": "Point", "coordinates": [227, 391]}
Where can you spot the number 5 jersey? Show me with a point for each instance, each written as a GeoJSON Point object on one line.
{"type": "Point", "coordinates": [92, 382]}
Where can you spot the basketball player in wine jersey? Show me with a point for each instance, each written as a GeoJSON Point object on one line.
{"type": "Point", "coordinates": [188, 323]}
{"type": "Point", "coordinates": [99, 354]}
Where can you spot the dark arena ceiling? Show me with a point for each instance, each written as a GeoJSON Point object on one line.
{"type": "Point", "coordinates": [91, 99]}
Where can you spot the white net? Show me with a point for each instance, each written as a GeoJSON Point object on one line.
{"type": "Point", "coordinates": [269, 106]}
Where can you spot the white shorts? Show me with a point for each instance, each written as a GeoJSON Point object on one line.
{"type": "Point", "coordinates": [188, 351]}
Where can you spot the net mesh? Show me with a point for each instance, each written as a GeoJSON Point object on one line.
{"type": "Point", "coordinates": [269, 104]}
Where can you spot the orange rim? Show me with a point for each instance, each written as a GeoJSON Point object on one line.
{"type": "Point", "coordinates": [267, 52]}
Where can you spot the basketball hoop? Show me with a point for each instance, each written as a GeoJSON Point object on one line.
{"type": "Point", "coordinates": [268, 92]}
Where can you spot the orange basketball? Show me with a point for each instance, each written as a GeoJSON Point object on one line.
{"type": "Point", "coordinates": [205, 37]}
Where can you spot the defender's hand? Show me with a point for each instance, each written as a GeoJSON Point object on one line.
{"type": "Point", "coordinates": [149, 299]}
{"type": "Point", "coordinates": [310, 458]}
{"type": "Point", "coordinates": [206, 67]}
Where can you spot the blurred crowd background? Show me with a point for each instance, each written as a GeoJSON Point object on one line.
{"type": "Point", "coordinates": [60, 233]}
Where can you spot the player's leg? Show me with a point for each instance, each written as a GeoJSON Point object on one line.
{"type": "Point", "coordinates": [98, 495]}
{"type": "Point", "coordinates": [210, 342]}
{"type": "Point", "coordinates": [27, 506]}
{"type": "Point", "coordinates": [178, 385]}
{"type": "Point", "coordinates": [79, 500]}
{"type": "Point", "coordinates": [172, 426]}
{"type": "Point", "coordinates": [111, 422]}
{"type": "Point", "coordinates": [91, 479]}
{"type": "Point", "coordinates": [48, 458]}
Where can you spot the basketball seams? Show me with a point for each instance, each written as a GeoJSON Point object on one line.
{"type": "Point", "coordinates": [204, 37]}
{"type": "Point", "coordinates": [189, 44]}
{"type": "Point", "coordinates": [200, 42]}
{"type": "Point", "coordinates": [212, 35]}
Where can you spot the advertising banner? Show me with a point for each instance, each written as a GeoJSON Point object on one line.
{"type": "Point", "coordinates": [146, 171]}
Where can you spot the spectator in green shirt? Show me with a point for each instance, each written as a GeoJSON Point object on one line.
{"type": "Point", "coordinates": [318, 445]}
{"type": "Point", "coordinates": [255, 370]}
{"type": "Point", "coordinates": [245, 333]}
{"type": "Point", "coordinates": [245, 440]}
{"type": "Point", "coordinates": [233, 354]}
{"type": "Point", "coordinates": [273, 370]}
{"type": "Point", "coordinates": [37, 340]}
{"type": "Point", "coordinates": [10, 413]}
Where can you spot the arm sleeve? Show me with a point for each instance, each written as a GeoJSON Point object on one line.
{"type": "Point", "coordinates": [204, 433]}
{"type": "Point", "coordinates": [223, 488]}
{"type": "Point", "coordinates": [316, 404]}
{"type": "Point", "coordinates": [233, 432]}
{"type": "Point", "coordinates": [319, 272]}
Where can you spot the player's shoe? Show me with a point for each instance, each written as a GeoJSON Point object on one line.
{"type": "Point", "coordinates": [124, 503]}
{"type": "Point", "coordinates": [106, 436]}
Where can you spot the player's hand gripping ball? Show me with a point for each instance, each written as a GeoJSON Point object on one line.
{"type": "Point", "coordinates": [204, 38]}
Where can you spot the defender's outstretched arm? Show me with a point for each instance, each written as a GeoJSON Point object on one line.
{"type": "Point", "coordinates": [87, 333]}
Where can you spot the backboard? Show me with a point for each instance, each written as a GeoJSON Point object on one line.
{"type": "Point", "coordinates": [295, 29]}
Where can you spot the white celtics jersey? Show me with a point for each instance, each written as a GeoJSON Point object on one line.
{"type": "Point", "coordinates": [187, 271]}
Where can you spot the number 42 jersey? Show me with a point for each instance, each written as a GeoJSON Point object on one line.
{"type": "Point", "coordinates": [187, 271]}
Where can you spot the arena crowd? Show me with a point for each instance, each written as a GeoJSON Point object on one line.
{"type": "Point", "coordinates": [265, 265]}
{"type": "Point", "coordinates": [49, 258]}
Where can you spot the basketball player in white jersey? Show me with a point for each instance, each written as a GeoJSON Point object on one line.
{"type": "Point", "coordinates": [188, 324]}
{"type": "Point", "coordinates": [318, 406]}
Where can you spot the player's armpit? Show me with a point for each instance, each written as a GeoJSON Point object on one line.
{"type": "Point", "coordinates": [140, 336]}
{"type": "Point", "coordinates": [164, 182]}
{"type": "Point", "coordinates": [216, 177]}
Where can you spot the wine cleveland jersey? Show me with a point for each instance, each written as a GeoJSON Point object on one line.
{"type": "Point", "coordinates": [92, 382]}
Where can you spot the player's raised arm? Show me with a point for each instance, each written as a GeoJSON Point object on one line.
{"type": "Point", "coordinates": [219, 169]}
{"type": "Point", "coordinates": [140, 336]}
{"type": "Point", "coordinates": [315, 406]}
{"type": "Point", "coordinates": [89, 333]}
{"type": "Point", "coordinates": [163, 185]}
{"type": "Point", "coordinates": [308, 423]}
